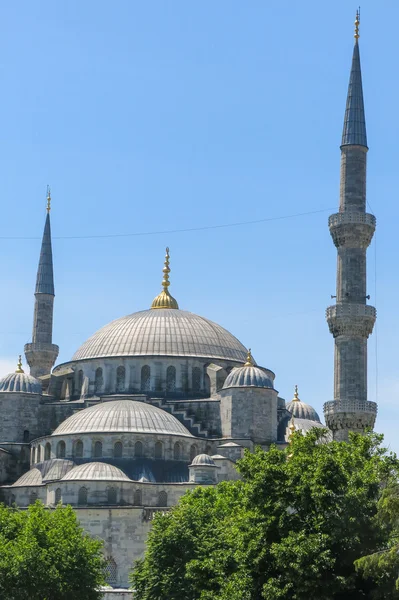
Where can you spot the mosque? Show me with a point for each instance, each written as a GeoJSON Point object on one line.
{"type": "Point", "coordinates": [162, 400]}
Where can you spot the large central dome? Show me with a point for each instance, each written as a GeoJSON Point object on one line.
{"type": "Point", "coordinates": [163, 332]}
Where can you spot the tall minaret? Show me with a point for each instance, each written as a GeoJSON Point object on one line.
{"type": "Point", "coordinates": [41, 354]}
{"type": "Point", "coordinates": [350, 320]}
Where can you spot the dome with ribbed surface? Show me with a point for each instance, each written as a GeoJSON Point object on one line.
{"type": "Point", "coordinates": [301, 410]}
{"type": "Point", "coordinates": [203, 460]}
{"type": "Point", "coordinates": [95, 471]}
{"type": "Point", "coordinates": [248, 376]}
{"type": "Point", "coordinates": [123, 416]}
{"type": "Point", "coordinates": [162, 332]}
{"type": "Point", "coordinates": [20, 382]}
{"type": "Point", "coordinates": [32, 477]}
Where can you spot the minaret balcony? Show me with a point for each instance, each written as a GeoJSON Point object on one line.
{"type": "Point", "coordinates": [351, 319]}
{"type": "Point", "coordinates": [352, 229]}
{"type": "Point", "coordinates": [349, 415]}
{"type": "Point", "coordinates": [333, 407]}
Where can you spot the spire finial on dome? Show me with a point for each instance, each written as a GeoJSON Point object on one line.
{"type": "Point", "coordinates": [357, 23]}
{"type": "Point", "coordinates": [19, 367]}
{"type": "Point", "coordinates": [48, 199]}
{"type": "Point", "coordinates": [296, 397]}
{"type": "Point", "coordinates": [164, 299]}
{"type": "Point", "coordinates": [250, 360]}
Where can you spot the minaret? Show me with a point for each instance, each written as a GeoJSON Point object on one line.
{"type": "Point", "coordinates": [41, 354]}
{"type": "Point", "coordinates": [351, 320]}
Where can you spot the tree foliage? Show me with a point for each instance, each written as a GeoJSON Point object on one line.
{"type": "Point", "coordinates": [45, 555]}
{"type": "Point", "coordinates": [291, 529]}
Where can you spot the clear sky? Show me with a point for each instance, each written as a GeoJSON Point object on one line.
{"type": "Point", "coordinates": [162, 115]}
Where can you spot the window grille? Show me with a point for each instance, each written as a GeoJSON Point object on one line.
{"type": "Point", "coordinates": [145, 378]}
{"type": "Point", "coordinates": [162, 499]}
{"type": "Point", "coordinates": [137, 499]}
{"type": "Point", "coordinates": [58, 495]}
{"type": "Point", "coordinates": [82, 496]}
{"type": "Point", "coordinates": [98, 450]}
{"type": "Point", "coordinates": [158, 450]}
{"type": "Point", "coordinates": [120, 379]}
{"type": "Point", "coordinates": [111, 571]}
{"type": "Point", "coordinates": [196, 379]}
{"type": "Point", "coordinates": [138, 449]}
{"type": "Point", "coordinates": [79, 449]}
{"type": "Point", "coordinates": [177, 451]}
{"type": "Point", "coordinates": [193, 452]}
{"type": "Point", "coordinates": [47, 451]}
{"type": "Point", "coordinates": [112, 496]}
{"type": "Point", "coordinates": [98, 381]}
{"type": "Point", "coordinates": [118, 448]}
{"type": "Point", "coordinates": [61, 449]}
{"type": "Point", "coordinates": [170, 379]}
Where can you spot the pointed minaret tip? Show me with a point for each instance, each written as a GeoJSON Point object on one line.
{"type": "Point", "coordinates": [45, 277]}
{"type": "Point", "coordinates": [357, 23]}
{"type": "Point", "coordinates": [354, 131]}
{"type": "Point", "coordinates": [48, 199]}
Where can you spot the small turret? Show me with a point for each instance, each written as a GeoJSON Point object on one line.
{"type": "Point", "coordinates": [41, 353]}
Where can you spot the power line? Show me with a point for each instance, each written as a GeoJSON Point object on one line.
{"type": "Point", "coordinates": [168, 231]}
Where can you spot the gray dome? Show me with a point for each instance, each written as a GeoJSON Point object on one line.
{"type": "Point", "coordinates": [203, 460]}
{"type": "Point", "coordinates": [248, 377]}
{"type": "Point", "coordinates": [162, 332]}
{"type": "Point", "coordinates": [32, 477]}
{"type": "Point", "coordinates": [20, 382]}
{"type": "Point", "coordinates": [95, 471]}
{"type": "Point", "coordinates": [300, 410]}
{"type": "Point", "coordinates": [123, 416]}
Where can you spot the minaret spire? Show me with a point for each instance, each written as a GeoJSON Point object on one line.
{"type": "Point", "coordinates": [41, 354]}
{"type": "Point", "coordinates": [351, 320]}
{"type": "Point", "coordinates": [164, 299]}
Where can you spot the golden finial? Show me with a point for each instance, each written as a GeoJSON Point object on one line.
{"type": "Point", "coordinates": [296, 397]}
{"type": "Point", "coordinates": [48, 199]}
{"type": "Point", "coordinates": [164, 299]}
{"type": "Point", "coordinates": [250, 360]}
{"type": "Point", "coordinates": [19, 368]}
{"type": "Point", "coordinates": [357, 23]}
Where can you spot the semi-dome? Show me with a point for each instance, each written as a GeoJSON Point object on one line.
{"type": "Point", "coordinates": [32, 477]}
{"type": "Point", "coordinates": [20, 382]}
{"type": "Point", "coordinates": [162, 332]}
{"type": "Point", "coordinates": [301, 410]}
{"type": "Point", "coordinates": [248, 376]}
{"type": "Point", "coordinates": [97, 471]}
{"type": "Point", "coordinates": [202, 460]}
{"type": "Point", "coordinates": [123, 416]}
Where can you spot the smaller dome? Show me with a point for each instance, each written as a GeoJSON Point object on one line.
{"type": "Point", "coordinates": [20, 382]}
{"type": "Point", "coordinates": [301, 410]}
{"type": "Point", "coordinates": [32, 477]}
{"type": "Point", "coordinates": [248, 376]}
{"type": "Point", "coordinates": [95, 471]}
{"type": "Point", "coordinates": [203, 460]}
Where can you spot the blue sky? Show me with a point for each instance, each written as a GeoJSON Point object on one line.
{"type": "Point", "coordinates": [156, 116]}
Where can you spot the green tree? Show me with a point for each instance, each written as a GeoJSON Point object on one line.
{"type": "Point", "coordinates": [291, 529]}
{"type": "Point", "coordinates": [45, 555]}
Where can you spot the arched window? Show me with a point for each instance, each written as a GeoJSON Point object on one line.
{"type": "Point", "coordinates": [33, 455]}
{"type": "Point", "coordinates": [98, 381]}
{"type": "Point", "coordinates": [170, 379]}
{"type": "Point", "coordinates": [47, 451]}
{"type": "Point", "coordinates": [39, 454]}
{"type": "Point", "coordinates": [32, 497]}
{"type": "Point", "coordinates": [26, 436]}
{"type": "Point", "coordinates": [80, 382]}
{"type": "Point", "coordinates": [158, 450]}
{"type": "Point", "coordinates": [177, 451]}
{"type": "Point", "coordinates": [79, 449]}
{"type": "Point", "coordinates": [193, 452]}
{"type": "Point", "coordinates": [196, 383]}
{"type": "Point", "coordinates": [58, 495]}
{"type": "Point", "coordinates": [145, 378]}
{"type": "Point", "coordinates": [162, 499]}
{"type": "Point", "coordinates": [118, 448]}
{"type": "Point", "coordinates": [61, 449]}
{"type": "Point", "coordinates": [137, 498]}
{"type": "Point", "coordinates": [120, 379]}
{"type": "Point", "coordinates": [138, 449]}
{"type": "Point", "coordinates": [111, 495]}
{"type": "Point", "coordinates": [82, 496]}
{"type": "Point", "coordinates": [111, 571]}
{"type": "Point", "coordinates": [98, 450]}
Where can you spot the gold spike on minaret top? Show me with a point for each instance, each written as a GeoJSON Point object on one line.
{"type": "Point", "coordinates": [296, 397]}
{"type": "Point", "coordinates": [164, 299]}
{"type": "Point", "coordinates": [48, 199]}
{"type": "Point", "coordinates": [357, 23]}
{"type": "Point", "coordinates": [250, 360]}
{"type": "Point", "coordinates": [19, 367]}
